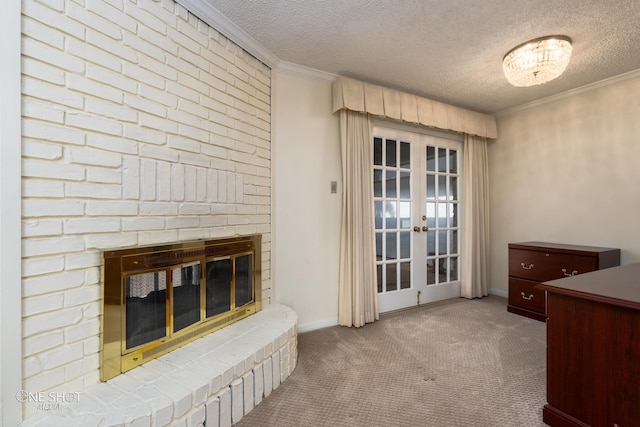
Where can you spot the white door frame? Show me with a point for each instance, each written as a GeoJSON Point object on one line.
{"type": "Point", "coordinates": [419, 292]}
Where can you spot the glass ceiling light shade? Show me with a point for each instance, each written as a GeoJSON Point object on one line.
{"type": "Point", "coordinates": [537, 61]}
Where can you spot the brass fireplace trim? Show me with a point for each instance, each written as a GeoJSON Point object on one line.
{"type": "Point", "coordinates": [120, 263]}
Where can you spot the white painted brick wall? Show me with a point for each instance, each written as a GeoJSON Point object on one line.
{"type": "Point", "coordinates": [225, 407]}
{"type": "Point", "coordinates": [258, 383]}
{"type": "Point", "coordinates": [248, 392]}
{"type": "Point", "coordinates": [141, 125]}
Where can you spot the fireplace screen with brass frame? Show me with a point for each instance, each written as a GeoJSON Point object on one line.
{"type": "Point", "coordinates": [157, 298]}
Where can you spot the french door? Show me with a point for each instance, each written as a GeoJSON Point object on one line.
{"type": "Point", "coordinates": [417, 179]}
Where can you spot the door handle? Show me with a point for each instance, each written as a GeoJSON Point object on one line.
{"type": "Point", "coordinates": [416, 229]}
{"type": "Point", "coordinates": [425, 228]}
{"type": "Point", "coordinates": [524, 296]}
{"type": "Point", "coordinates": [573, 273]}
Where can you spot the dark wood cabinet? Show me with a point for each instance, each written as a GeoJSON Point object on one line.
{"type": "Point", "coordinates": [531, 263]}
{"type": "Point", "coordinates": [593, 349]}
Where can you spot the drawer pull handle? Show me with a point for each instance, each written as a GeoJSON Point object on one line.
{"type": "Point", "coordinates": [528, 298]}
{"type": "Point", "coordinates": [573, 273]}
{"type": "Point", "coordinates": [525, 267]}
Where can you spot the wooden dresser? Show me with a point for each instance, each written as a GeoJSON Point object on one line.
{"type": "Point", "coordinates": [531, 263]}
{"type": "Point", "coordinates": [593, 349]}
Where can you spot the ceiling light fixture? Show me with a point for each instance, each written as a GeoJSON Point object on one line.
{"type": "Point", "coordinates": [537, 61]}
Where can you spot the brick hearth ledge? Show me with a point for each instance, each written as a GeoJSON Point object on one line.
{"type": "Point", "coordinates": [211, 382]}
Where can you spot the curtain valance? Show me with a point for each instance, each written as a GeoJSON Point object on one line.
{"type": "Point", "coordinates": [363, 97]}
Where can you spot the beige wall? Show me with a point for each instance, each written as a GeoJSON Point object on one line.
{"type": "Point", "coordinates": [568, 171]}
{"type": "Point", "coordinates": [561, 171]}
{"type": "Point", "coordinates": [306, 215]}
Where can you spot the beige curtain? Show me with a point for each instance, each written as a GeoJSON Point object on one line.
{"type": "Point", "coordinates": [380, 101]}
{"type": "Point", "coordinates": [358, 298]}
{"type": "Point", "coordinates": [358, 302]}
{"type": "Point", "coordinates": [475, 219]}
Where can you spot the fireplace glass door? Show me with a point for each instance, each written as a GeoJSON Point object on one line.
{"type": "Point", "coordinates": [228, 284]}
{"type": "Point", "coordinates": [157, 298]}
{"type": "Point", "coordinates": [244, 278]}
{"type": "Point", "coordinates": [226, 277]}
{"type": "Point", "coordinates": [146, 313]}
{"type": "Point", "coordinates": [186, 295]}
{"type": "Point", "coordinates": [218, 286]}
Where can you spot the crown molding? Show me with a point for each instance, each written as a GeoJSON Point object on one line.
{"type": "Point", "coordinates": [296, 70]}
{"type": "Point", "coordinates": [212, 16]}
{"type": "Point", "coordinates": [619, 79]}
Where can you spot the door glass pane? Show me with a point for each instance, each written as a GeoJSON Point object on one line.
{"type": "Point", "coordinates": [377, 151]}
{"type": "Point", "coordinates": [392, 246]}
{"type": "Point", "coordinates": [431, 271]}
{"type": "Point", "coordinates": [442, 159]}
{"type": "Point", "coordinates": [442, 214]}
{"type": "Point", "coordinates": [453, 161]}
{"type": "Point", "coordinates": [442, 270]}
{"type": "Point", "coordinates": [405, 245]}
{"type": "Point", "coordinates": [442, 242]}
{"type": "Point", "coordinates": [405, 275]}
{"type": "Point", "coordinates": [379, 276]}
{"type": "Point", "coordinates": [379, 253]}
{"type": "Point", "coordinates": [392, 278]}
{"type": "Point", "coordinates": [405, 155]}
{"type": "Point", "coordinates": [378, 214]}
{"type": "Point", "coordinates": [431, 243]}
{"type": "Point", "coordinates": [391, 215]}
{"type": "Point", "coordinates": [405, 215]}
{"type": "Point", "coordinates": [405, 185]}
{"type": "Point", "coordinates": [377, 183]}
{"type": "Point", "coordinates": [453, 221]}
{"type": "Point", "coordinates": [431, 215]}
{"type": "Point", "coordinates": [391, 153]}
{"type": "Point", "coordinates": [391, 185]}
{"type": "Point", "coordinates": [431, 159]}
{"type": "Point", "coordinates": [453, 268]}
{"type": "Point", "coordinates": [442, 187]}
{"type": "Point", "coordinates": [453, 242]}
{"type": "Point", "coordinates": [431, 187]}
{"type": "Point", "coordinates": [453, 188]}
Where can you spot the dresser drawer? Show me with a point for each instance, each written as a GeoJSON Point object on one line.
{"type": "Point", "coordinates": [525, 294]}
{"type": "Point", "coordinates": [531, 263]}
{"type": "Point", "coordinates": [542, 266]}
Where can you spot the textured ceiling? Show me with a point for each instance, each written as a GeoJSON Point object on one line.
{"type": "Point", "coordinates": [447, 50]}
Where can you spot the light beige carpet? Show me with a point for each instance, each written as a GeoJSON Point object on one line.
{"type": "Point", "coordinates": [455, 363]}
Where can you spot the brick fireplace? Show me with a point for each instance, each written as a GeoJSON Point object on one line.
{"type": "Point", "coordinates": [142, 125]}
{"type": "Point", "coordinates": [211, 382]}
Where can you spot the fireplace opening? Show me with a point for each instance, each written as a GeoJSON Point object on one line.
{"type": "Point", "coordinates": [158, 298]}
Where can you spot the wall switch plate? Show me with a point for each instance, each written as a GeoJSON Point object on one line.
{"type": "Point", "coordinates": [334, 186]}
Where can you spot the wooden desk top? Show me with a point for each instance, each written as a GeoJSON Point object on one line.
{"type": "Point", "coordinates": [616, 285]}
{"type": "Point", "coordinates": [561, 247]}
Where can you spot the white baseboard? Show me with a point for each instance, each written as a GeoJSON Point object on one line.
{"type": "Point", "coordinates": [312, 326]}
{"type": "Point", "coordinates": [499, 292]}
